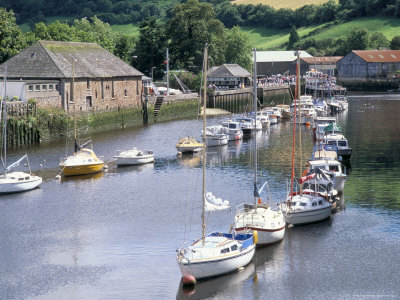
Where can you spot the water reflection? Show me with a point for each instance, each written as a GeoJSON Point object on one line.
{"type": "Point", "coordinates": [212, 287]}
{"type": "Point", "coordinates": [87, 177]}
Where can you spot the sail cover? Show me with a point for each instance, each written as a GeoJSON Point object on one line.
{"type": "Point", "coordinates": [213, 203]}
{"type": "Point", "coordinates": [16, 164]}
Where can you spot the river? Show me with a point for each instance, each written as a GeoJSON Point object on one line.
{"type": "Point", "coordinates": [114, 235]}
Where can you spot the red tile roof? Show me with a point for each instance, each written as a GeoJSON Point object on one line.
{"type": "Point", "coordinates": [379, 55]}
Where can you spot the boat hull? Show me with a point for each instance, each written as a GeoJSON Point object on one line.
{"type": "Point", "coordinates": [216, 141]}
{"type": "Point", "coordinates": [128, 161]}
{"type": "Point", "coordinates": [215, 267]}
{"type": "Point", "coordinates": [82, 169]}
{"type": "Point", "coordinates": [16, 187]}
{"type": "Point", "coordinates": [339, 183]}
{"type": "Point", "coordinates": [310, 216]}
{"type": "Point", "coordinates": [265, 236]}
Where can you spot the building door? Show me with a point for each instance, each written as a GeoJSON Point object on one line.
{"type": "Point", "coordinates": [88, 102]}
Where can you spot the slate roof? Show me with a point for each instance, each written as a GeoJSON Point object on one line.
{"type": "Point", "coordinates": [229, 70]}
{"type": "Point", "coordinates": [378, 55]}
{"type": "Point", "coordinates": [279, 56]}
{"type": "Point", "coordinates": [47, 59]}
{"type": "Point", "coordinates": [326, 60]}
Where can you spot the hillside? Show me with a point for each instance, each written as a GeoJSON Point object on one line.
{"type": "Point", "coordinates": [292, 4]}
{"type": "Point", "coordinates": [273, 39]}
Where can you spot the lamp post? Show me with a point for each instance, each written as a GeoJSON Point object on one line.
{"type": "Point", "coordinates": [152, 73]}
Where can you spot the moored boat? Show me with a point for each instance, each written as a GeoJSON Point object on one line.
{"type": "Point", "coordinates": [188, 144]}
{"type": "Point", "coordinates": [134, 156]}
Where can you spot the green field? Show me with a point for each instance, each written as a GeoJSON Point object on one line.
{"type": "Point", "coordinates": [268, 39]}
{"type": "Point", "coordinates": [128, 29]}
{"type": "Point", "coordinates": [293, 4]}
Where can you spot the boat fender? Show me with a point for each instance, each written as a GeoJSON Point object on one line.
{"type": "Point", "coordinates": [255, 236]}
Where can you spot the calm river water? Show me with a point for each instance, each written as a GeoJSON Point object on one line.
{"type": "Point", "coordinates": [114, 235]}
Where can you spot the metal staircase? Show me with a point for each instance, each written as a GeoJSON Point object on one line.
{"type": "Point", "coordinates": [157, 106]}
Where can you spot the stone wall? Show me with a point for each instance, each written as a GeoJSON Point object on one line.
{"type": "Point", "coordinates": [104, 94]}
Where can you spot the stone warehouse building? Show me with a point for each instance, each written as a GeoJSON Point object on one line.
{"type": "Point", "coordinates": [228, 76]}
{"type": "Point", "coordinates": [362, 65]}
{"type": "Point", "coordinates": [46, 70]}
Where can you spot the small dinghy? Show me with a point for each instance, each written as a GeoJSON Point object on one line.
{"type": "Point", "coordinates": [134, 157]}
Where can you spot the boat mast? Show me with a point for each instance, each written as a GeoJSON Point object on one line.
{"type": "Point", "coordinates": [4, 100]}
{"type": "Point", "coordinates": [296, 100]}
{"type": "Point", "coordinates": [298, 97]}
{"type": "Point", "coordinates": [203, 227]}
{"type": "Point", "coordinates": [256, 196]}
{"type": "Point", "coordinates": [73, 103]}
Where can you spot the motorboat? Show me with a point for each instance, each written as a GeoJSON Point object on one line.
{"type": "Point", "coordinates": [320, 123]}
{"type": "Point", "coordinates": [306, 207]}
{"type": "Point", "coordinates": [320, 181]}
{"type": "Point", "coordinates": [216, 136]}
{"type": "Point", "coordinates": [133, 156]}
{"type": "Point", "coordinates": [263, 116]}
{"type": "Point", "coordinates": [285, 110]}
{"type": "Point", "coordinates": [82, 162]}
{"type": "Point", "coordinates": [233, 130]}
{"type": "Point", "coordinates": [333, 166]}
{"type": "Point", "coordinates": [217, 253]}
{"type": "Point", "coordinates": [338, 140]}
{"type": "Point", "coordinates": [188, 144]}
{"type": "Point", "coordinates": [334, 105]}
{"type": "Point", "coordinates": [249, 125]}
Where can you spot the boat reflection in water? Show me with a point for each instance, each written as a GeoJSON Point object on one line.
{"type": "Point", "coordinates": [211, 287]}
{"type": "Point", "coordinates": [86, 177]}
{"type": "Point", "coordinates": [189, 159]}
{"type": "Point", "coordinates": [217, 155]}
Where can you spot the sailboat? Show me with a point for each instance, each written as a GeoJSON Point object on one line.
{"type": "Point", "coordinates": [12, 182]}
{"type": "Point", "coordinates": [84, 161]}
{"type": "Point", "coordinates": [304, 206]}
{"type": "Point", "coordinates": [269, 224]}
{"type": "Point", "coordinates": [217, 253]}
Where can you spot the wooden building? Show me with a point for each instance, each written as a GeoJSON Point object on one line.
{"type": "Point", "coordinates": [276, 62]}
{"type": "Point", "coordinates": [101, 80]}
{"type": "Point", "coordinates": [228, 76]}
{"type": "Point", "coordinates": [362, 65]}
{"type": "Point", "coordinates": [324, 64]}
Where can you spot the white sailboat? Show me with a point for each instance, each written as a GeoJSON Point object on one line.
{"type": "Point", "coordinates": [269, 224]}
{"type": "Point", "coordinates": [303, 206]}
{"type": "Point", "coordinates": [12, 182]}
{"type": "Point", "coordinates": [217, 253]}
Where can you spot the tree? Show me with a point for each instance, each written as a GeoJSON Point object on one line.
{"type": "Point", "coordinates": [395, 43]}
{"type": "Point", "coordinates": [12, 39]}
{"type": "Point", "coordinates": [238, 48]}
{"type": "Point", "coordinates": [124, 47]}
{"type": "Point", "coordinates": [358, 39]}
{"type": "Point", "coordinates": [192, 26]}
{"type": "Point", "coordinates": [293, 38]}
{"type": "Point", "coordinates": [378, 40]}
{"type": "Point", "coordinates": [151, 47]}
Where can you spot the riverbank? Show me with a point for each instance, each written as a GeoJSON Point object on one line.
{"type": "Point", "coordinates": [56, 124]}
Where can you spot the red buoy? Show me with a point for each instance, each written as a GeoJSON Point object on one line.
{"type": "Point", "coordinates": [188, 280]}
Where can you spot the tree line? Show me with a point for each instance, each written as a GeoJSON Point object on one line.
{"type": "Point", "coordinates": [192, 25]}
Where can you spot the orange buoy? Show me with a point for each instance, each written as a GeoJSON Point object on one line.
{"type": "Point", "coordinates": [188, 280]}
{"type": "Point", "coordinates": [308, 124]}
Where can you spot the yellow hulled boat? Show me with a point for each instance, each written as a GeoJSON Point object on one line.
{"type": "Point", "coordinates": [81, 162]}
{"type": "Point", "coordinates": [188, 145]}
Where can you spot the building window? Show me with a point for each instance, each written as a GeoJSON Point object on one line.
{"type": "Point", "coordinates": [31, 88]}
{"type": "Point", "coordinates": [88, 84]}
{"type": "Point", "coordinates": [102, 89]}
{"type": "Point", "coordinates": [37, 88]}
{"type": "Point", "coordinates": [137, 87]}
{"type": "Point", "coordinates": [50, 87]}
{"type": "Point", "coordinates": [44, 87]}
{"type": "Point", "coordinates": [112, 89]}
{"type": "Point", "coordinates": [56, 87]}
{"type": "Point", "coordinates": [126, 93]}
